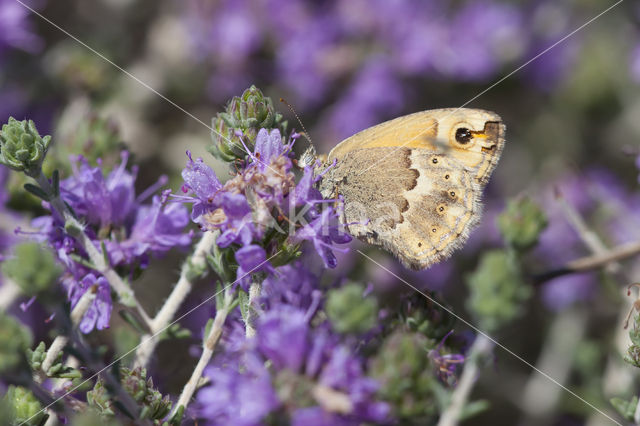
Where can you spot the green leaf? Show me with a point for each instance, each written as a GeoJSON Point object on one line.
{"type": "Point", "coordinates": [37, 191]}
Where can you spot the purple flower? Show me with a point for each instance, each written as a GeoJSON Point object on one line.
{"type": "Point", "coordinates": [251, 259]}
{"type": "Point", "coordinates": [202, 181]}
{"type": "Point", "coordinates": [16, 31]}
{"type": "Point", "coordinates": [374, 94]}
{"type": "Point", "coordinates": [268, 147]}
{"type": "Point", "coordinates": [292, 285]}
{"type": "Point", "coordinates": [297, 355]}
{"type": "Point", "coordinates": [157, 228]}
{"type": "Point", "coordinates": [130, 229]}
{"type": "Point", "coordinates": [446, 364]}
{"type": "Point", "coordinates": [104, 202]}
{"type": "Point", "coordinates": [99, 312]}
{"type": "Point", "coordinates": [635, 64]}
{"type": "Point", "coordinates": [324, 231]}
{"type": "Point", "coordinates": [258, 198]}
{"type": "Point", "coordinates": [283, 337]}
{"type": "Point", "coordinates": [238, 225]}
{"type": "Point", "coordinates": [241, 392]}
{"type": "Point", "coordinates": [562, 292]}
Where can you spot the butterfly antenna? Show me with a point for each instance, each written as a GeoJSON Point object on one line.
{"type": "Point", "coordinates": [310, 155]}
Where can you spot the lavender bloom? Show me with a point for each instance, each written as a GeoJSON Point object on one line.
{"type": "Point", "coordinates": [241, 392]}
{"type": "Point", "coordinates": [324, 231]}
{"type": "Point", "coordinates": [130, 230]}
{"type": "Point", "coordinates": [99, 312]}
{"type": "Point", "coordinates": [375, 93]}
{"type": "Point", "coordinates": [298, 355]}
{"type": "Point", "coordinates": [291, 285]}
{"type": "Point", "coordinates": [251, 259]}
{"type": "Point", "coordinates": [16, 31]}
{"type": "Point", "coordinates": [243, 208]}
{"type": "Point", "coordinates": [202, 181]}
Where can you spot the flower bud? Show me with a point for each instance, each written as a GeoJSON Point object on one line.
{"type": "Point", "coordinates": [23, 407]}
{"type": "Point", "coordinates": [350, 311]}
{"type": "Point", "coordinates": [497, 290]}
{"type": "Point", "coordinates": [22, 148]}
{"type": "Point", "coordinates": [154, 405]}
{"type": "Point", "coordinates": [100, 399]}
{"type": "Point", "coordinates": [400, 364]}
{"type": "Point", "coordinates": [244, 117]}
{"type": "Point", "coordinates": [15, 339]}
{"type": "Point", "coordinates": [521, 223]}
{"type": "Point", "coordinates": [42, 270]}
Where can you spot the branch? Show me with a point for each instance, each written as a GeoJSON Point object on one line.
{"type": "Point", "coordinates": [207, 351]}
{"type": "Point", "coordinates": [9, 292]}
{"type": "Point", "coordinates": [588, 263]}
{"type": "Point", "coordinates": [194, 267]}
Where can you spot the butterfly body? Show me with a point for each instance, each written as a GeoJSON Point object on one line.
{"type": "Point", "coordinates": [413, 185]}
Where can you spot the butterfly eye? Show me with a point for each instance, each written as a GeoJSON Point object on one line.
{"type": "Point", "coordinates": [463, 135]}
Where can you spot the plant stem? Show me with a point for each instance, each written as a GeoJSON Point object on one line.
{"type": "Point", "coordinates": [194, 267]}
{"type": "Point", "coordinates": [98, 259]}
{"type": "Point", "coordinates": [208, 347]}
{"type": "Point", "coordinates": [252, 314]}
{"type": "Point", "coordinates": [480, 348]}
{"type": "Point", "coordinates": [592, 262]}
{"type": "Point", "coordinates": [9, 292]}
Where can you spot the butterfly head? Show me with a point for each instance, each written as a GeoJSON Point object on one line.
{"type": "Point", "coordinates": [473, 137]}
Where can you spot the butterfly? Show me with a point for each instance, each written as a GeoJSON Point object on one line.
{"type": "Point", "coordinates": [413, 185]}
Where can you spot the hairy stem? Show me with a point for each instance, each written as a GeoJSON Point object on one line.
{"type": "Point", "coordinates": [208, 347]}
{"type": "Point", "coordinates": [9, 292]}
{"type": "Point", "coordinates": [479, 350]}
{"type": "Point", "coordinates": [194, 267]}
{"type": "Point", "coordinates": [252, 313]}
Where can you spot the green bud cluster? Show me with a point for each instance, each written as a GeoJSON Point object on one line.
{"type": "Point", "coordinates": [58, 369]}
{"type": "Point", "coordinates": [521, 223]}
{"type": "Point", "coordinates": [41, 273]}
{"type": "Point", "coordinates": [136, 383]}
{"type": "Point", "coordinates": [94, 137]}
{"type": "Point", "coordinates": [15, 340]}
{"type": "Point", "coordinates": [406, 376]}
{"type": "Point", "coordinates": [243, 118]}
{"type": "Point", "coordinates": [423, 316]}
{"type": "Point", "coordinates": [349, 311]}
{"type": "Point", "coordinates": [497, 290]}
{"type": "Point", "coordinates": [20, 406]}
{"type": "Point", "coordinates": [22, 148]}
{"type": "Point", "coordinates": [36, 356]}
{"type": "Point", "coordinates": [100, 399]}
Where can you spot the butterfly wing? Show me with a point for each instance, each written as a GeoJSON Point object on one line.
{"type": "Point", "coordinates": [437, 131]}
{"type": "Point", "coordinates": [419, 202]}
